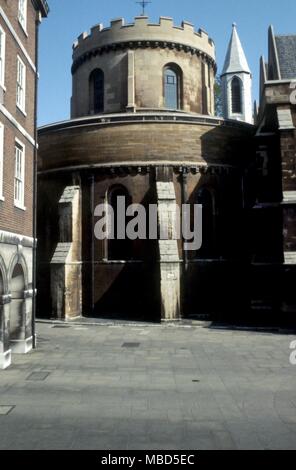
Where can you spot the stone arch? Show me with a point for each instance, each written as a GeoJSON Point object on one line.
{"type": "Point", "coordinates": [173, 86]}
{"type": "Point", "coordinates": [18, 285]}
{"type": "Point", "coordinates": [3, 278]}
{"type": "Point", "coordinates": [18, 259]}
{"type": "Point", "coordinates": [5, 353]}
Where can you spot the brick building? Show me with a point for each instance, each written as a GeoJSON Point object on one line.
{"type": "Point", "coordinates": [19, 22]}
{"type": "Point", "coordinates": [274, 213]}
{"type": "Point", "coordinates": [143, 127]}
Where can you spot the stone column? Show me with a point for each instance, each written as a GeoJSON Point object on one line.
{"type": "Point", "coordinates": [23, 343]}
{"type": "Point", "coordinates": [66, 290]}
{"type": "Point", "coordinates": [131, 81]}
{"type": "Point", "coordinates": [288, 151]}
{"type": "Point", "coordinates": [5, 351]}
{"type": "Point", "coordinates": [168, 252]}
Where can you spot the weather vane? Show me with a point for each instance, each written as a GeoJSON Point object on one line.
{"type": "Point", "coordinates": [143, 4]}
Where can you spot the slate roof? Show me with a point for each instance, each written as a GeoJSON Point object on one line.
{"type": "Point", "coordinates": [235, 58]}
{"type": "Point", "coordinates": [61, 253]}
{"type": "Point", "coordinates": [286, 47]}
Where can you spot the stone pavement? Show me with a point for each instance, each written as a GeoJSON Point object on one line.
{"type": "Point", "coordinates": [150, 387]}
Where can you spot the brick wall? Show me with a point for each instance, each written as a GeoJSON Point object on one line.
{"type": "Point", "coordinates": [13, 219]}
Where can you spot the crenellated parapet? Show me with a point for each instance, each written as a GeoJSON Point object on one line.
{"type": "Point", "coordinates": [142, 34]}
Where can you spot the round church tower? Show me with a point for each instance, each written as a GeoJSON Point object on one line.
{"type": "Point", "coordinates": [142, 128]}
{"type": "Point", "coordinates": [143, 66]}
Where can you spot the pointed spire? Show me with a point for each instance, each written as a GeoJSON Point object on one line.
{"type": "Point", "coordinates": [235, 58]}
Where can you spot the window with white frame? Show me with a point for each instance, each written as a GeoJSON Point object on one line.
{"type": "Point", "coordinates": [21, 85]}
{"type": "Point", "coordinates": [19, 175]}
{"type": "Point", "coordinates": [2, 56]}
{"type": "Point", "coordinates": [22, 13]}
{"type": "Point", "coordinates": [1, 159]}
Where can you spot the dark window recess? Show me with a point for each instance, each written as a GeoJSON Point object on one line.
{"type": "Point", "coordinates": [236, 95]}
{"type": "Point", "coordinates": [205, 198]}
{"type": "Point", "coordinates": [119, 249]}
{"type": "Point", "coordinates": [97, 85]}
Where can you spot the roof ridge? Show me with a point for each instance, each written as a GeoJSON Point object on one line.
{"type": "Point", "coordinates": [285, 35]}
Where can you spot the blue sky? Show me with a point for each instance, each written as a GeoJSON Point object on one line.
{"type": "Point", "coordinates": [68, 18]}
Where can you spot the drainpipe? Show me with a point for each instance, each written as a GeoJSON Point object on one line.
{"type": "Point", "coordinates": [184, 196]}
{"type": "Point", "coordinates": [37, 23]}
{"type": "Point", "coordinates": [184, 177]}
{"type": "Point", "coordinates": [92, 242]}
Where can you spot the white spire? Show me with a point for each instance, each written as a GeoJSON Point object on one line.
{"type": "Point", "coordinates": [235, 58]}
{"type": "Point", "coordinates": [236, 81]}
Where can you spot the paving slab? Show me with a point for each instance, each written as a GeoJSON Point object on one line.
{"type": "Point", "coordinates": [128, 386]}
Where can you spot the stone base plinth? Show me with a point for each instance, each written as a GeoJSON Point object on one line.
{"type": "Point", "coordinates": [5, 359]}
{"type": "Point", "coordinates": [22, 346]}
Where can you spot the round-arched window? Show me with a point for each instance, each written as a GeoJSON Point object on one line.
{"type": "Point", "coordinates": [172, 87]}
{"type": "Point", "coordinates": [236, 95]}
{"type": "Point", "coordinates": [96, 91]}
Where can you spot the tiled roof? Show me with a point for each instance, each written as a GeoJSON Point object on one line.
{"type": "Point", "coordinates": [286, 47]}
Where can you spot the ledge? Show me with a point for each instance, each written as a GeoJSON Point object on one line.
{"type": "Point", "coordinates": [16, 239]}
{"type": "Point", "coordinates": [141, 44]}
{"type": "Point", "coordinates": [159, 116]}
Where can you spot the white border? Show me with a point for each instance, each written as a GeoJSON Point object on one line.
{"type": "Point", "coordinates": [2, 76]}
{"type": "Point", "coordinates": [24, 26]}
{"type": "Point", "coordinates": [20, 128]}
{"type": "Point", "coordinates": [22, 106]}
{"type": "Point", "coordinates": [1, 161]}
{"type": "Point", "coordinates": [17, 204]}
{"type": "Point", "coordinates": [17, 39]}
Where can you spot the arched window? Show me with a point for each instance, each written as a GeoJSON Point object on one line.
{"type": "Point", "coordinates": [96, 91]}
{"type": "Point", "coordinates": [205, 198]}
{"type": "Point", "coordinates": [172, 87]}
{"type": "Point", "coordinates": [119, 248]}
{"type": "Point", "coordinates": [236, 95]}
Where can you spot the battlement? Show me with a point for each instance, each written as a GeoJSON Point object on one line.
{"type": "Point", "coordinates": [143, 31]}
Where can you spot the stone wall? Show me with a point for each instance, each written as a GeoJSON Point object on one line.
{"type": "Point", "coordinates": [133, 58]}
{"type": "Point", "coordinates": [16, 294]}
{"type": "Point", "coordinates": [153, 139]}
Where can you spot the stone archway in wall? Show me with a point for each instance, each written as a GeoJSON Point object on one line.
{"type": "Point", "coordinates": [17, 306]}
{"type": "Point", "coordinates": [3, 278]}
{"type": "Point", "coordinates": [5, 352]}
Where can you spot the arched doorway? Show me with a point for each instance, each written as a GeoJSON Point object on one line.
{"type": "Point", "coordinates": [17, 306]}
